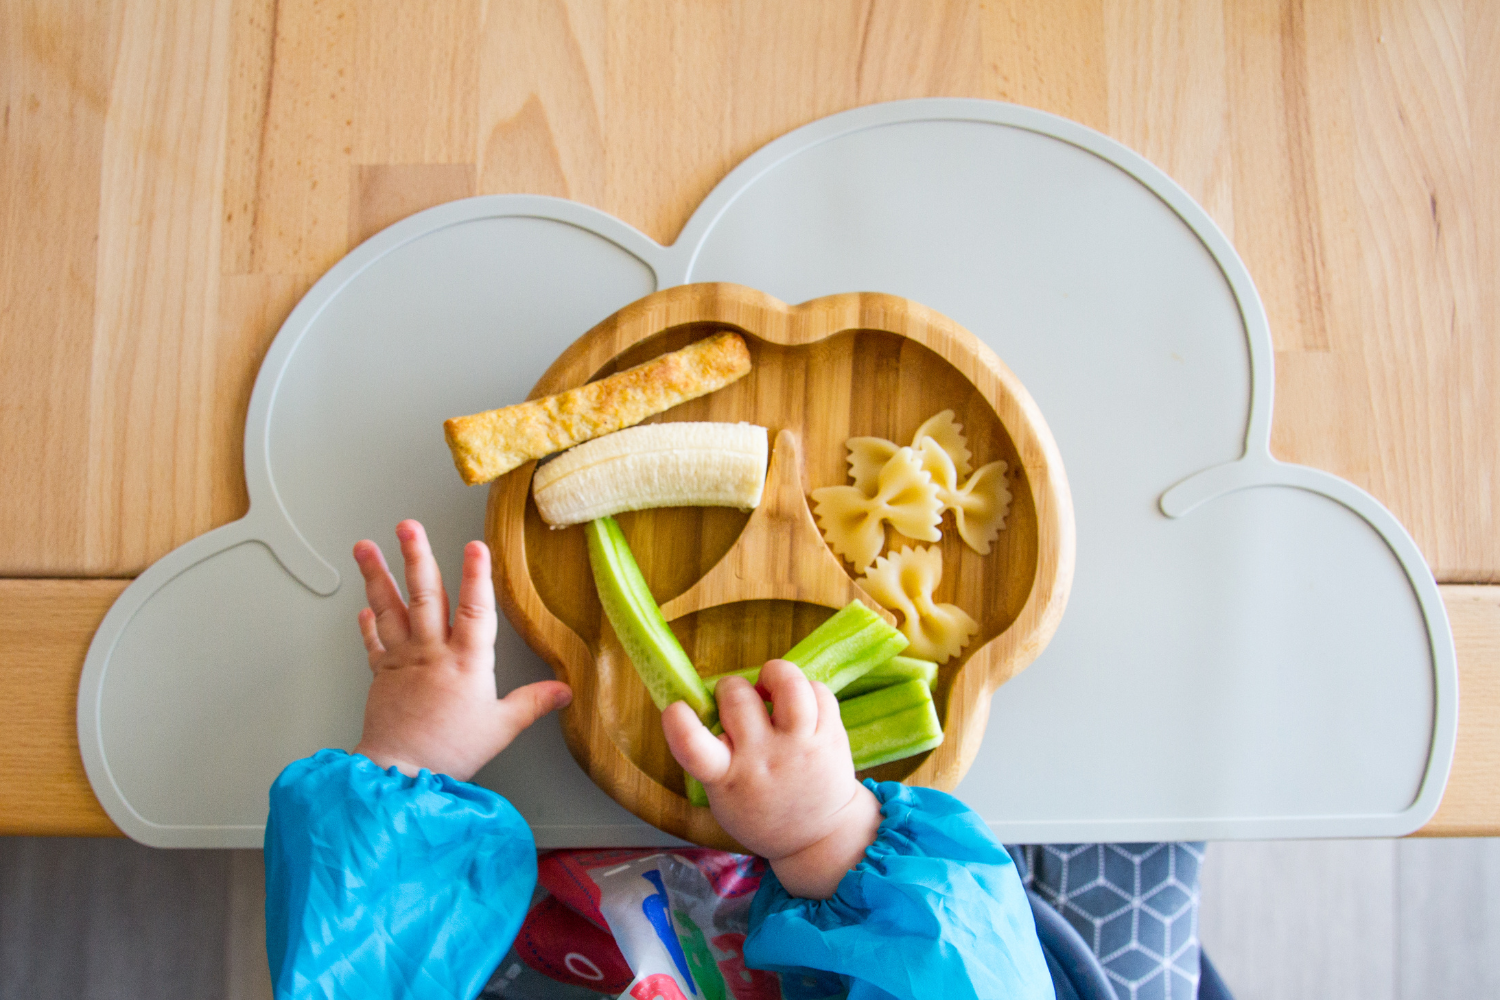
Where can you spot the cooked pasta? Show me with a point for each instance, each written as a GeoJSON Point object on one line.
{"type": "Point", "coordinates": [980, 504]}
{"type": "Point", "coordinates": [868, 455]}
{"type": "Point", "coordinates": [905, 497]}
{"type": "Point", "coordinates": [905, 581]}
{"type": "Point", "coordinates": [949, 434]}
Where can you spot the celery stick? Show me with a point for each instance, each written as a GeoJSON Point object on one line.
{"type": "Point", "coordinates": [654, 651]}
{"type": "Point", "coordinates": [893, 671]}
{"type": "Point", "coordinates": [892, 723]}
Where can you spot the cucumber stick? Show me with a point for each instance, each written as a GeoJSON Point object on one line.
{"type": "Point", "coordinates": [846, 646]}
{"type": "Point", "coordinates": [893, 671]}
{"type": "Point", "coordinates": [654, 651]}
{"type": "Point", "coordinates": [837, 652]}
{"type": "Point", "coordinates": [892, 723]}
{"type": "Point", "coordinates": [895, 722]}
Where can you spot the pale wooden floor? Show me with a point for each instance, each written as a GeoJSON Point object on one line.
{"type": "Point", "coordinates": [1320, 920]}
{"type": "Point", "coordinates": [1366, 919]}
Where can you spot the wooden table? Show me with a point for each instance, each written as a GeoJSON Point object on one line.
{"type": "Point", "coordinates": [173, 176]}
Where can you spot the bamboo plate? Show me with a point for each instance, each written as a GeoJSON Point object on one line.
{"type": "Point", "coordinates": [740, 588]}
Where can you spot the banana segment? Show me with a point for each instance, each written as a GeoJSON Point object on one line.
{"type": "Point", "coordinates": [654, 465]}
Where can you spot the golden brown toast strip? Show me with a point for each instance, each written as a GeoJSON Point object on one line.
{"type": "Point", "coordinates": [487, 445]}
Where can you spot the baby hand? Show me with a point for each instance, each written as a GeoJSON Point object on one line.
{"type": "Point", "coordinates": [433, 701]}
{"type": "Point", "coordinates": [783, 785]}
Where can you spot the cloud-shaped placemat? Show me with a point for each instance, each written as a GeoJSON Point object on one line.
{"type": "Point", "coordinates": [1251, 649]}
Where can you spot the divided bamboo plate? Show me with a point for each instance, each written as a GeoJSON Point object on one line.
{"type": "Point", "coordinates": [740, 588]}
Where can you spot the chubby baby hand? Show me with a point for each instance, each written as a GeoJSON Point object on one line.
{"type": "Point", "coordinates": [781, 784]}
{"type": "Point", "coordinates": [433, 701]}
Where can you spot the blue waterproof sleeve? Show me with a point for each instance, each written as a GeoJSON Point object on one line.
{"type": "Point", "coordinates": [935, 909]}
{"type": "Point", "coordinates": [381, 885]}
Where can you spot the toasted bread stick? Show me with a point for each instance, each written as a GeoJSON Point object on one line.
{"type": "Point", "coordinates": [488, 445]}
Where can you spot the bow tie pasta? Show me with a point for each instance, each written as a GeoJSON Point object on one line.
{"type": "Point", "coordinates": [904, 582]}
{"type": "Point", "coordinates": [868, 455]}
{"type": "Point", "coordinates": [979, 505]}
{"type": "Point", "coordinates": [980, 502]}
{"type": "Point", "coordinates": [854, 523]}
{"type": "Point", "coordinates": [911, 488]}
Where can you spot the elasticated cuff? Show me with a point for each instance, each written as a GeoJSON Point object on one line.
{"type": "Point", "coordinates": [384, 884]}
{"type": "Point", "coordinates": [935, 908]}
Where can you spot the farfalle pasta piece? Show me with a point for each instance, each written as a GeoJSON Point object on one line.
{"type": "Point", "coordinates": [868, 455]}
{"type": "Point", "coordinates": [904, 582]}
{"type": "Point", "coordinates": [979, 505]}
{"type": "Point", "coordinates": [854, 523]}
{"type": "Point", "coordinates": [945, 429]}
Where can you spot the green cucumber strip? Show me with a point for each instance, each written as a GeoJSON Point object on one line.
{"type": "Point", "coordinates": [891, 738]}
{"type": "Point", "coordinates": [893, 671]}
{"type": "Point", "coordinates": [877, 705]}
{"type": "Point", "coordinates": [892, 723]}
{"type": "Point", "coordinates": [848, 645]}
{"type": "Point", "coordinates": [751, 674]}
{"type": "Point", "coordinates": [654, 651]}
{"type": "Point", "coordinates": [900, 668]}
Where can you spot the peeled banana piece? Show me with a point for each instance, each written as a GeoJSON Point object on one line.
{"type": "Point", "coordinates": [654, 465]}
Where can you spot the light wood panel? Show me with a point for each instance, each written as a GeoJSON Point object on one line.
{"type": "Point", "coordinates": [1349, 150]}
{"type": "Point", "coordinates": [45, 630]}
{"type": "Point", "coordinates": [174, 176]}
{"type": "Point", "coordinates": [1471, 806]}
{"type": "Point", "coordinates": [46, 626]}
{"type": "Point", "coordinates": [56, 65]}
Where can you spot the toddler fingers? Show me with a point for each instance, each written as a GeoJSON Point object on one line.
{"type": "Point", "coordinates": [424, 584]}
{"type": "Point", "coordinates": [526, 704]}
{"type": "Point", "coordinates": [741, 711]}
{"type": "Point", "coordinates": [370, 635]}
{"type": "Point", "coordinates": [380, 590]}
{"type": "Point", "coordinates": [796, 707]}
{"type": "Point", "coordinates": [474, 625]}
{"type": "Point", "coordinates": [828, 712]}
{"type": "Point", "coordinates": [700, 752]}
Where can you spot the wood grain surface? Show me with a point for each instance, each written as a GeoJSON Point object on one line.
{"type": "Point", "coordinates": [174, 176]}
{"type": "Point", "coordinates": [851, 365]}
{"type": "Point", "coordinates": [45, 630]}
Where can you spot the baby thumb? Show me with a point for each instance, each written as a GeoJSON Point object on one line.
{"type": "Point", "coordinates": [700, 752]}
{"type": "Point", "coordinates": [526, 704]}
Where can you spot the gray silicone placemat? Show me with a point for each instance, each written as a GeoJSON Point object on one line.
{"type": "Point", "coordinates": [1251, 649]}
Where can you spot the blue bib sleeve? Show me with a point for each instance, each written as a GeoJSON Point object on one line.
{"type": "Point", "coordinates": [382, 885]}
{"type": "Point", "coordinates": [935, 909]}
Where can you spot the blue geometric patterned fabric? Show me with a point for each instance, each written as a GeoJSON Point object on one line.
{"type": "Point", "coordinates": [1135, 904]}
